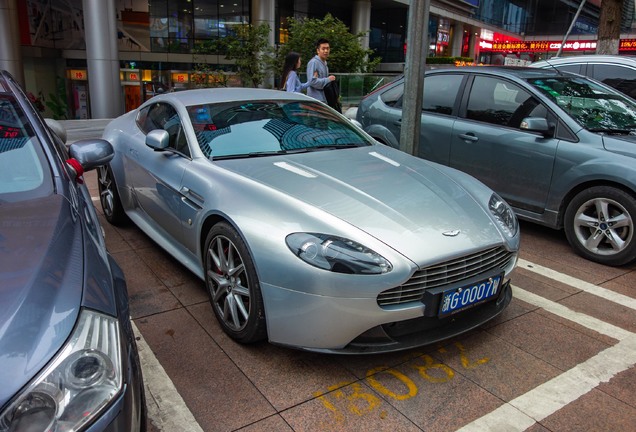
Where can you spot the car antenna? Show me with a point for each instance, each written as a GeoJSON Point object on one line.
{"type": "Point", "coordinates": [553, 67]}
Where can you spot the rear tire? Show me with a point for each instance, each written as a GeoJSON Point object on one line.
{"type": "Point", "coordinates": [599, 224]}
{"type": "Point", "coordinates": [109, 196]}
{"type": "Point", "coordinates": [232, 284]}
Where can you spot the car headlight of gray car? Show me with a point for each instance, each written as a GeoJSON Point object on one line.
{"type": "Point", "coordinates": [337, 254]}
{"type": "Point", "coordinates": [78, 383]}
{"type": "Point", "coordinates": [503, 215]}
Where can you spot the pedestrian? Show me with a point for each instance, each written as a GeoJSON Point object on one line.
{"type": "Point", "coordinates": [291, 81]}
{"type": "Point", "coordinates": [319, 72]}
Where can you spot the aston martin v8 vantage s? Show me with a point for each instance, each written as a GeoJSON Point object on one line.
{"type": "Point", "coordinates": [306, 231]}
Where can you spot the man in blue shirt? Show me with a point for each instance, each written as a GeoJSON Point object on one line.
{"type": "Point", "coordinates": [318, 71]}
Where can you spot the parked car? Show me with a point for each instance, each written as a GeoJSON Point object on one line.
{"type": "Point", "coordinates": [615, 71]}
{"type": "Point", "coordinates": [305, 230]}
{"type": "Point", "coordinates": [68, 359]}
{"type": "Point", "coordinates": [559, 148]}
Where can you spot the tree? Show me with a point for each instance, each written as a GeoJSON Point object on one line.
{"type": "Point", "coordinates": [246, 47]}
{"type": "Point", "coordinates": [609, 28]}
{"type": "Point", "coordinates": [347, 56]}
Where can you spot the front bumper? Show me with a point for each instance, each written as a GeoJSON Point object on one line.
{"type": "Point", "coordinates": [360, 326]}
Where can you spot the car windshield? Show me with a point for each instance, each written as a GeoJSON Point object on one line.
{"type": "Point", "coordinates": [262, 128]}
{"type": "Point", "coordinates": [24, 173]}
{"type": "Point", "coordinates": [594, 107]}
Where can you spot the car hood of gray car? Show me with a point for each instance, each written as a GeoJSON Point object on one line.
{"type": "Point", "coordinates": [41, 275]}
{"type": "Point", "coordinates": [405, 202]}
{"type": "Point", "coordinates": [623, 144]}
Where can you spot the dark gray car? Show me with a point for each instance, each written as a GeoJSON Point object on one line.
{"type": "Point", "coordinates": [68, 359]}
{"type": "Point", "coordinates": [560, 148]}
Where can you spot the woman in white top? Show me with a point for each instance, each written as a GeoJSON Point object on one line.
{"type": "Point", "coordinates": [291, 81]}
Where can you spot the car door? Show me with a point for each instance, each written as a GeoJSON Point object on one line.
{"type": "Point", "coordinates": [438, 106]}
{"type": "Point", "coordinates": [488, 143]}
{"type": "Point", "coordinates": [156, 177]}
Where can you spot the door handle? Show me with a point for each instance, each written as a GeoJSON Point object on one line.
{"type": "Point", "coordinates": [398, 122]}
{"type": "Point", "coordinates": [468, 137]}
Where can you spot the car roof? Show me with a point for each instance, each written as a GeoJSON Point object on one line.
{"type": "Point", "coordinates": [592, 58]}
{"type": "Point", "coordinates": [226, 94]}
{"type": "Point", "coordinates": [521, 72]}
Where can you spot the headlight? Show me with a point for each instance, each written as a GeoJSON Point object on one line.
{"type": "Point", "coordinates": [503, 215]}
{"type": "Point", "coordinates": [80, 381]}
{"type": "Point", "coordinates": [336, 254]}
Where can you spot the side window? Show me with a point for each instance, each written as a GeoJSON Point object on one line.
{"type": "Point", "coordinates": [575, 68]}
{"type": "Point", "coordinates": [440, 93]}
{"type": "Point", "coordinates": [621, 78]}
{"type": "Point", "coordinates": [496, 101]}
{"type": "Point", "coordinates": [393, 96]}
{"type": "Point", "coordinates": [164, 116]}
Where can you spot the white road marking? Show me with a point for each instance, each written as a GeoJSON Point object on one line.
{"type": "Point", "coordinates": [579, 284]}
{"type": "Point", "coordinates": [537, 404]}
{"type": "Point", "coordinates": [567, 313]}
{"type": "Point", "coordinates": [522, 412]}
{"type": "Point", "coordinates": [166, 409]}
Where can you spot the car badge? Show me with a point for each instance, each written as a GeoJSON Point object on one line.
{"type": "Point", "coordinates": [453, 233]}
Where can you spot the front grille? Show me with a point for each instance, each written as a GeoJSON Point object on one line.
{"type": "Point", "coordinates": [446, 273]}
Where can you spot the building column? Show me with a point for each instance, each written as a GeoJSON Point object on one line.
{"type": "Point", "coordinates": [458, 39]}
{"type": "Point", "coordinates": [10, 54]}
{"type": "Point", "coordinates": [264, 12]}
{"type": "Point", "coordinates": [361, 20]}
{"type": "Point", "coordinates": [102, 58]}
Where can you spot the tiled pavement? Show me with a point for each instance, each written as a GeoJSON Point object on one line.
{"type": "Point", "coordinates": [560, 358]}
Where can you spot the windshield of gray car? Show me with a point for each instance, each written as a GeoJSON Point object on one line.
{"type": "Point", "coordinates": [272, 127]}
{"type": "Point", "coordinates": [24, 172]}
{"type": "Point", "coordinates": [593, 106]}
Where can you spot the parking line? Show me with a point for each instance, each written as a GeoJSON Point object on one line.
{"type": "Point", "coordinates": [522, 412]}
{"type": "Point", "coordinates": [579, 284]}
{"type": "Point", "coordinates": [595, 324]}
{"type": "Point", "coordinates": [166, 409]}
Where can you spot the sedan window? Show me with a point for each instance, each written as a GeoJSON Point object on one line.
{"type": "Point", "coordinates": [440, 93]}
{"type": "Point", "coordinates": [24, 173]}
{"type": "Point", "coordinates": [496, 101]}
{"type": "Point", "coordinates": [240, 129]}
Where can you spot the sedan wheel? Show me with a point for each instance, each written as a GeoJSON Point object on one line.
{"type": "Point", "coordinates": [233, 286]}
{"type": "Point", "coordinates": [599, 224]}
{"type": "Point", "coordinates": [109, 196]}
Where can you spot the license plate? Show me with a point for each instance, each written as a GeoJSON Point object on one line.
{"type": "Point", "coordinates": [457, 299]}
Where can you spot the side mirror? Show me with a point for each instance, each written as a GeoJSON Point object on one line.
{"type": "Point", "coordinates": [536, 124]}
{"type": "Point", "coordinates": [88, 154]}
{"type": "Point", "coordinates": [158, 139]}
{"type": "Point", "coordinates": [57, 128]}
{"type": "Point", "coordinates": [91, 153]}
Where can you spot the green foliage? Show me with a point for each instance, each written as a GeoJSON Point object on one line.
{"type": "Point", "coordinates": [56, 102]}
{"type": "Point", "coordinates": [347, 56]}
{"type": "Point", "coordinates": [246, 47]}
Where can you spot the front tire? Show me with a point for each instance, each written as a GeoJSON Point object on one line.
{"type": "Point", "coordinates": [232, 284]}
{"type": "Point", "coordinates": [109, 196]}
{"type": "Point", "coordinates": [599, 224]}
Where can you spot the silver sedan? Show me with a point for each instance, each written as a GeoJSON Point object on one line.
{"type": "Point", "coordinates": [306, 231]}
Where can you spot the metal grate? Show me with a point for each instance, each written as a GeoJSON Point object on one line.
{"type": "Point", "coordinates": [446, 273]}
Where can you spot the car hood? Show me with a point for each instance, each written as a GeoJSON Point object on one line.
{"type": "Point", "coordinates": [40, 286]}
{"type": "Point", "coordinates": [408, 203]}
{"type": "Point", "coordinates": [622, 144]}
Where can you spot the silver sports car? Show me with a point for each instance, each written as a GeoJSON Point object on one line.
{"type": "Point", "coordinates": [306, 231]}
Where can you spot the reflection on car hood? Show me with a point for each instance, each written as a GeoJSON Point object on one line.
{"type": "Point", "coordinates": [405, 202]}
{"type": "Point", "coordinates": [40, 286]}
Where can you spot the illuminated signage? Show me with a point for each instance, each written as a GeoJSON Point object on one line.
{"type": "Point", "coordinates": [77, 74]}
{"type": "Point", "coordinates": [180, 77]}
{"type": "Point", "coordinates": [543, 46]}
